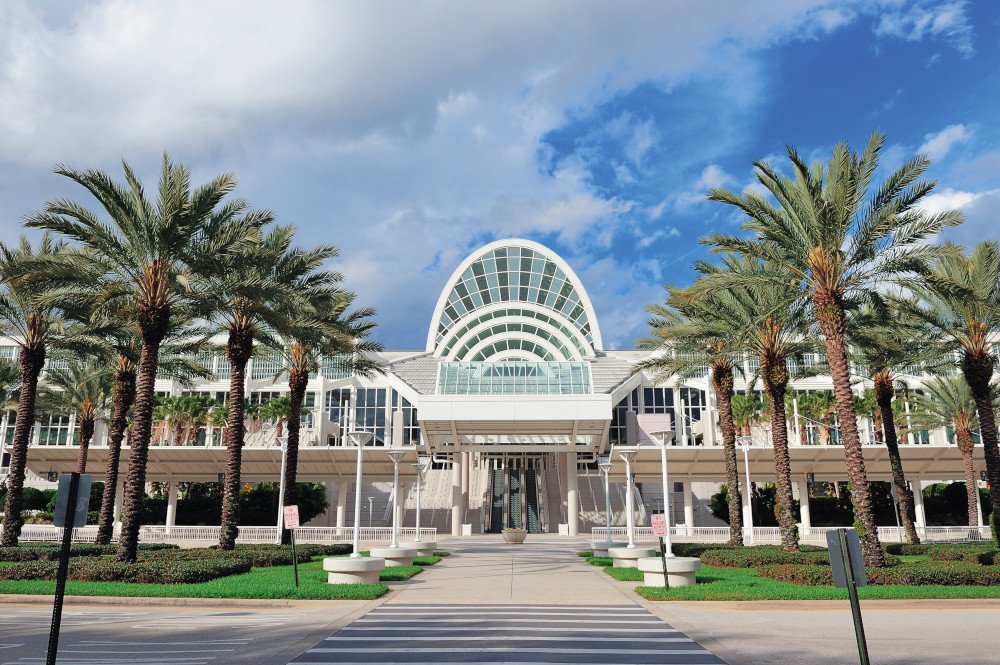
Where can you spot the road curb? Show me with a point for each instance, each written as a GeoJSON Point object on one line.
{"type": "Point", "coordinates": [246, 603]}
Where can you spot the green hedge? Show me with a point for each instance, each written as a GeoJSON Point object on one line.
{"type": "Point", "coordinates": [144, 571]}
{"type": "Point", "coordinates": [944, 573]}
{"type": "Point", "coordinates": [765, 555]}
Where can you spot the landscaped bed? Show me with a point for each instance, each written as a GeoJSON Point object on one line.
{"type": "Point", "coordinates": [249, 571]}
{"type": "Point", "coordinates": [766, 573]}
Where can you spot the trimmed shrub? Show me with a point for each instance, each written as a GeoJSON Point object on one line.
{"type": "Point", "coordinates": [146, 571]}
{"type": "Point", "coordinates": [338, 549]}
{"type": "Point", "coordinates": [944, 573]}
{"type": "Point", "coordinates": [764, 555]}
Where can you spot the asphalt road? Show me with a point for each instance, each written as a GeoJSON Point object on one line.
{"type": "Point", "coordinates": [168, 635]}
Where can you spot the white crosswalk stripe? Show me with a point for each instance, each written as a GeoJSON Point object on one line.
{"type": "Point", "coordinates": [522, 635]}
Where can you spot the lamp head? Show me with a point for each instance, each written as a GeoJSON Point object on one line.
{"type": "Point", "coordinates": [422, 464]}
{"type": "Point", "coordinates": [396, 455]}
{"type": "Point", "coordinates": [604, 464]}
{"type": "Point", "coordinates": [628, 454]}
{"type": "Point", "coordinates": [360, 438]}
{"type": "Point", "coordinates": [664, 436]}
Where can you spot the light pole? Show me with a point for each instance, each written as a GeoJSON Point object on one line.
{"type": "Point", "coordinates": [396, 456]}
{"type": "Point", "coordinates": [628, 455]}
{"type": "Point", "coordinates": [421, 465]}
{"type": "Point", "coordinates": [665, 436]}
{"type": "Point", "coordinates": [745, 445]}
{"type": "Point", "coordinates": [360, 439]}
{"type": "Point", "coordinates": [371, 500]}
{"type": "Point", "coordinates": [281, 491]}
{"type": "Point", "coordinates": [604, 464]}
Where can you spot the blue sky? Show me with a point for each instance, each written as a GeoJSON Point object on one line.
{"type": "Point", "coordinates": [410, 133]}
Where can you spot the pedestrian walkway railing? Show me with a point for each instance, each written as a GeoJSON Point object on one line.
{"type": "Point", "coordinates": [771, 535]}
{"type": "Point", "coordinates": [247, 534]}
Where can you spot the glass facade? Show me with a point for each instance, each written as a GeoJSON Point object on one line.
{"type": "Point", "coordinates": [514, 274]}
{"type": "Point", "coordinates": [460, 334]}
{"type": "Point", "coordinates": [514, 378]}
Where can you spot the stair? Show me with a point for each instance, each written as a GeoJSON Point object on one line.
{"type": "Point", "coordinates": [531, 499]}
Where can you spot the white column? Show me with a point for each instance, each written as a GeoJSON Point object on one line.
{"type": "Point", "coordinates": [709, 424]}
{"type": "Point", "coordinates": [563, 480]}
{"type": "Point", "coordinates": [688, 508]}
{"type": "Point", "coordinates": [466, 460]}
{"type": "Point", "coordinates": [342, 503]}
{"type": "Point", "coordinates": [918, 503]}
{"type": "Point", "coordinates": [804, 515]}
{"type": "Point", "coordinates": [119, 504]}
{"type": "Point", "coordinates": [331, 505]}
{"type": "Point", "coordinates": [572, 495]}
{"type": "Point", "coordinates": [456, 495]}
{"type": "Point", "coordinates": [745, 495]}
{"type": "Point", "coordinates": [171, 504]}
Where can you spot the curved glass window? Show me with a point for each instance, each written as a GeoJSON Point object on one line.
{"type": "Point", "coordinates": [513, 311]}
{"type": "Point", "coordinates": [502, 328]}
{"type": "Point", "coordinates": [514, 378]}
{"type": "Point", "coordinates": [511, 274]}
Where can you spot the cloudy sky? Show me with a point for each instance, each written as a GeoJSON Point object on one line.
{"type": "Point", "coordinates": [410, 133]}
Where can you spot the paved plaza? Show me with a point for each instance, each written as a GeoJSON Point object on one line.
{"type": "Point", "coordinates": [496, 603]}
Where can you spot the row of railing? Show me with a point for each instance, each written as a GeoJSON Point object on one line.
{"type": "Point", "coordinates": [771, 535]}
{"type": "Point", "coordinates": [247, 534]}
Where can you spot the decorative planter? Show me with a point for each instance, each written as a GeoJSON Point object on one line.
{"type": "Point", "coordinates": [514, 536]}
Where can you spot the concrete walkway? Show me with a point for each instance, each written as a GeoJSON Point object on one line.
{"type": "Point", "coordinates": [485, 570]}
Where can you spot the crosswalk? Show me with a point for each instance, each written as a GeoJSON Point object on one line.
{"type": "Point", "coordinates": [522, 634]}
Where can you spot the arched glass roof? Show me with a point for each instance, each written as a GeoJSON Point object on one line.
{"type": "Point", "coordinates": [530, 279]}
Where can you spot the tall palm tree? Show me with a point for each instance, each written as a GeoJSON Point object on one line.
{"type": "Point", "coordinates": [333, 336]}
{"type": "Point", "coordinates": [154, 255]}
{"type": "Point", "coordinates": [29, 316]}
{"type": "Point", "coordinates": [774, 329]}
{"type": "Point", "coordinates": [960, 301]}
{"type": "Point", "coordinates": [948, 402]}
{"type": "Point", "coordinates": [841, 238]}
{"type": "Point", "coordinates": [882, 345]}
{"type": "Point", "coordinates": [86, 389]}
{"type": "Point", "coordinates": [691, 338]}
{"type": "Point", "coordinates": [252, 288]}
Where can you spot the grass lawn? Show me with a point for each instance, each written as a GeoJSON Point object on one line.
{"type": "Point", "coordinates": [276, 582]}
{"type": "Point", "coordinates": [745, 584]}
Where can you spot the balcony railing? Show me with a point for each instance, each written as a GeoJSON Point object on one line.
{"type": "Point", "coordinates": [771, 535]}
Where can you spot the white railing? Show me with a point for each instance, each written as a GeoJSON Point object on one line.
{"type": "Point", "coordinates": [247, 534]}
{"type": "Point", "coordinates": [771, 535]}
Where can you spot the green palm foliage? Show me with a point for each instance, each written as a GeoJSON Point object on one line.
{"type": "Point", "coordinates": [692, 338]}
{"type": "Point", "coordinates": [960, 302]}
{"type": "Point", "coordinates": [153, 256]}
{"type": "Point", "coordinates": [840, 236]}
{"type": "Point", "coordinates": [252, 290]}
{"type": "Point", "coordinates": [84, 388]}
{"type": "Point", "coordinates": [334, 336]}
{"type": "Point", "coordinates": [28, 315]}
{"type": "Point", "coordinates": [948, 402]}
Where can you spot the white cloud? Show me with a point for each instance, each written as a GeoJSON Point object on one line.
{"type": "Point", "coordinates": [937, 145]}
{"type": "Point", "coordinates": [916, 21]}
{"type": "Point", "coordinates": [711, 177]}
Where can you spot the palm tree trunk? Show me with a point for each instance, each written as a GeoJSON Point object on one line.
{"type": "Point", "coordinates": [122, 396]}
{"type": "Point", "coordinates": [86, 435]}
{"type": "Point", "coordinates": [883, 395]}
{"type": "Point", "coordinates": [722, 382]}
{"type": "Point", "coordinates": [978, 370]}
{"type": "Point", "coordinates": [153, 325]}
{"type": "Point", "coordinates": [830, 314]}
{"type": "Point", "coordinates": [297, 382]}
{"type": "Point", "coordinates": [238, 349]}
{"type": "Point", "coordinates": [965, 444]}
{"type": "Point", "coordinates": [32, 360]}
{"type": "Point", "coordinates": [775, 375]}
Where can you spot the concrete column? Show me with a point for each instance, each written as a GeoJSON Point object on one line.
{"type": "Point", "coordinates": [563, 486]}
{"type": "Point", "coordinates": [171, 504]}
{"type": "Point", "coordinates": [466, 459]}
{"type": "Point", "coordinates": [918, 503]}
{"type": "Point", "coordinates": [331, 505]}
{"type": "Point", "coordinates": [745, 495]}
{"type": "Point", "coordinates": [979, 507]}
{"type": "Point", "coordinates": [342, 503]}
{"type": "Point", "coordinates": [119, 504]}
{"type": "Point", "coordinates": [688, 508]}
{"type": "Point", "coordinates": [457, 512]}
{"type": "Point", "coordinates": [572, 495]}
{"type": "Point", "coordinates": [804, 515]}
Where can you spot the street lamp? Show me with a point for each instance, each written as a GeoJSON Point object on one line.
{"type": "Point", "coordinates": [604, 464]}
{"type": "Point", "coordinates": [745, 442]}
{"type": "Point", "coordinates": [360, 439]}
{"type": "Point", "coordinates": [396, 456]}
{"type": "Point", "coordinates": [421, 465]}
{"type": "Point", "coordinates": [665, 436]}
{"type": "Point", "coordinates": [371, 500]}
{"type": "Point", "coordinates": [628, 455]}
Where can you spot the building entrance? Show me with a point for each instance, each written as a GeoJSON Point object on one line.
{"type": "Point", "coordinates": [517, 493]}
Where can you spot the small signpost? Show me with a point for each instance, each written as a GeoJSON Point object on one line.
{"type": "Point", "coordinates": [659, 522]}
{"type": "Point", "coordinates": [292, 523]}
{"type": "Point", "coordinates": [848, 569]}
{"type": "Point", "coordinates": [72, 502]}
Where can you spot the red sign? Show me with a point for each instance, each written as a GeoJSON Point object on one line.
{"type": "Point", "coordinates": [291, 517]}
{"type": "Point", "coordinates": [659, 521]}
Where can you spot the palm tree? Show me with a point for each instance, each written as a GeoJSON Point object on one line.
{"type": "Point", "coordinates": [86, 389]}
{"type": "Point", "coordinates": [841, 238]}
{"type": "Point", "coordinates": [691, 338]}
{"type": "Point", "coordinates": [960, 301]}
{"type": "Point", "coordinates": [153, 256]}
{"type": "Point", "coordinates": [948, 402]}
{"type": "Point", "coordinates": [251, 289]}
{"type": "Point", "coordinates": [28, 315]}
{"type": "Point", "coordinates": [882, 345]}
